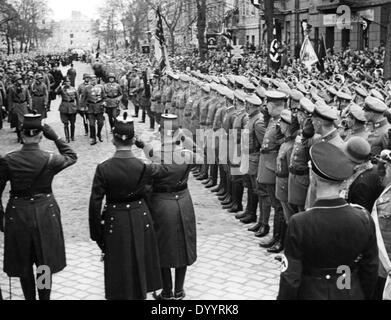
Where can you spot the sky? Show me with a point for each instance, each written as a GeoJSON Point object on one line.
{"type": "Point", "coordinates": [62, 9]}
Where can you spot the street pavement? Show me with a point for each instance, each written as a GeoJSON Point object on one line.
{"type": "Point", "coordinates": [230, 265]}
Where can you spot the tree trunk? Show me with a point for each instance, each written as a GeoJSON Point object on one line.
{"type": "Point", "coordinates": [201, 26]}
{"type": "Point", "coordinates": [8, 45]}
{"type": "Point", "coordinates": [269, 15]}
{"type": "Point", "coordinates": [172, 36]}
{"type": "Point", "coordinates": [387, 59]}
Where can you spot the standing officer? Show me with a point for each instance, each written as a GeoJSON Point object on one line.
{"type": "Point", "coordinates": [124, 230]}
{"type": "Point", "coordinates": [374, 113]}
{"type": "Point", "coordinates": [93, 97]}
{"type": "Point", "coordinates": [82, 108]}
{"type": "Point", "coordinates": [113, 93]}
{"type": "Point", "coordinates": [19, 102]}
{"type": "Point", "coordinates": [33, 231]}
{"type": "Point", "coordinates": [354, 122]}
{"type": "Point", "coordinates": [256, 132]}
{"type": "Point", "coordinates": [276, 103]}
{"type": "Point", "coordinates": [331, 235]}
{"type": "Point", "coordinates": [134, 85]}
{"type": "Point", "coordinates": [299, 179]}
{"type": "Point", "coordinates": [39, 95]}
{"type": "Point", "coordinates": [68, 108]}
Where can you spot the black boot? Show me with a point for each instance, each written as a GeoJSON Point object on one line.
{"type": "Point", "coordinates": [228, 193]}
{"type": "Point", "coordinates": [143, 117]}
{"type": "Point", "coordinates": [264, 208]}
{"type": "Point", "coordinates": [136, 111]}
{"type": "Point", "coordinates": [238, 198]}
{"type": "Point", "coordinates": [276, 231]}
{"type": "Point", "coordinates": [279, 245]}
{"type": "Point", "coordinates": [72, 132]}
{"type": "Point", "coordinates": [66, 131]}
{"type": "Point", "coordinates": [250, 199]}
{"type": "Point", "coordinates": [152, 122]}
{"type": "Point", "coordinates": [99, 133]}
{"type": "Point", "coordinates": [93, 135]}
{"type": "Point", "coordinates": [252, 205]}
{"type": "Point", "coordinates": [86, 128]}
{"type": "Point", "coordinates": [214, 171]}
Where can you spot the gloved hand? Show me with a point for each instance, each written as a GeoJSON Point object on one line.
{"type": "Point", "coordinates": [49, 133]}
{"type": "Point", "coordinates": [139, 143]}
{"type": "Point", "coordinates": [308, 129]}
{"type": "Point", "coordinates": [266, 115]}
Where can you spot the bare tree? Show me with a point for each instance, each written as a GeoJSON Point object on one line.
{"type": "Point", "coordinates": [201, 27]}
{"type": "Point", "coordinates": [171, 12]}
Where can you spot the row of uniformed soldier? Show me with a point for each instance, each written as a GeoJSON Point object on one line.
{"type": "Point", "coordinates": [284, 121]}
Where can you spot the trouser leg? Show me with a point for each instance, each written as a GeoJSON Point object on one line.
{"type": "Point", "coordinates": [167, 281]}
{"type": "Point", "coordinates": [180, 276]}
{"type": "Point", "coordinates": [28, 285]}
{"type": "Point", "coordinates": [101, 122]}
{"type": "Point", "coordinates": [73, 122]}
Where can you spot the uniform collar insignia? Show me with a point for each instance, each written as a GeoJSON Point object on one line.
{"type": "Point", "coordinates": [381, 123]}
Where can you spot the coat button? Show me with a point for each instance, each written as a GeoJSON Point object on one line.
{"type": "Point", "coordinates": [145, 213]}
{"type": "Point", "coordinates": [128, 206]}
{"type": "Point", "coordinates": [114, 207]}
{"type": "Point", "coordinates": [112, 219]}
{"type": "Point", "coordinates": [177, 197]}
{"type": "Point", "coordinates": [111, 231]}
{"type": "Point", "coordinates": [328, 277]}
{"type": "Point", "coordinates": [147, 225]}
{"type": "Point", "coordinates": [140, 202]}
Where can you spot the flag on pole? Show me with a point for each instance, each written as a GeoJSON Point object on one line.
{"type": "Point", "coordinates": [161, 53]}
{"type": "Point", "coordinates": [322, 55]}
{"type": "Point", "coordinates": [307, 54]}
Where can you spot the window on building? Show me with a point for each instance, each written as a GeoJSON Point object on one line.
{"type": "Point", "coordinates": [287, 32]}
{"type": "Point", "coordinates": [345, 38]}
{"type": "Point", "coordinates": [330, 38]}
{"type": "Point", "coordinates": [316, 40]}
{"type": "Point", "coordinates": [253, 40]}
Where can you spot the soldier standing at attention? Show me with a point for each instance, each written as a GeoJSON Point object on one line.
{"type": "Point", "coordinates": [330, 235]}
{"type": "Point", "coordinates": [113, 93]}
{"type": "Point", "coordinates": [124, 230]}
{"type": "Point", "coordinates": [354, 122]}
{"type": "Point", "coordinates": [299, 179]}
{"type": "Point", "coordinates": [33, 231]}
{"type": "Point", "coordinates": [276, 103]}
{"type": "Point", "coordinates": [82, 108]}
{"type": "Point", "coordinates": [93, 97]}
{"type": "Point", "coordinates": [134, 84]}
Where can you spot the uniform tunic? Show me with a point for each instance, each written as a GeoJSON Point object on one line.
{"type": "Point", "coordinates": [33, 231]}
{"type": "Point", "coordinates": [330, 235]}
{"type": "Point", "coordinates": [113, 93]}
{"type": "Point", "coordinates": [378, 137]}
{"type": "Point", "coordinates": [131, 253]}
{"type": "Point", "coordinates": [40, 98]}
{"type": "Point", "coordinates": [93, 97]}
{"type": "Point", "coordinates": [68, 100]}
{"type": "Point", "coordinates": [19, 100]}
{"type": "Point", "coordinates": [282, 173]}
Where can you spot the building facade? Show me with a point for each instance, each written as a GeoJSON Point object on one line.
{"type": "Point", "coordinates": [74, 33]}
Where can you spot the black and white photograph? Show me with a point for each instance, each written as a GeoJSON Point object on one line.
{"type": "Point", "coordinates": [195, 150]}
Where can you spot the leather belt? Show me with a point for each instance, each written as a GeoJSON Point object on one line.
{"type": "Point", "coordinates": [304, 172]}
{"type": "Point", "coordinates": [29, 194]}
{"type": "Point", "coordinates": [270, 151]}
{"type": "Point", "coordinates": [91, 102]}
{"type": "Point", "coordinates": [326, 273]}
{"type": "Point", "coordinates": [170, 190]}
{"type": "Point", "coordinates": [113, 97]}
{"type": "Point", "coordinates": [20, 102]}
{"type": "Point", "coordinates": [125, 200]}
{"type": "Point", "coordinates": [39, 96]}
{"type": "Point", "coordinates": [282, 175]}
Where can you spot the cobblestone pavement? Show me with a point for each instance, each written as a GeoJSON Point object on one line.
{"type": "Point", "coordinates": [231, 266]}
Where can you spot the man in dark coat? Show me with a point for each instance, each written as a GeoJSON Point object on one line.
{"type": "Point", "coordinates": [124, 231]}
{"type": "Point", "coordinates": [33, 231]}
{"type": "Point", "coordinates": [331, 249]}
{"type": "Point", "coordinates": [71, 74]}
{"type": "Point", "coordinates": [365, 186]}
